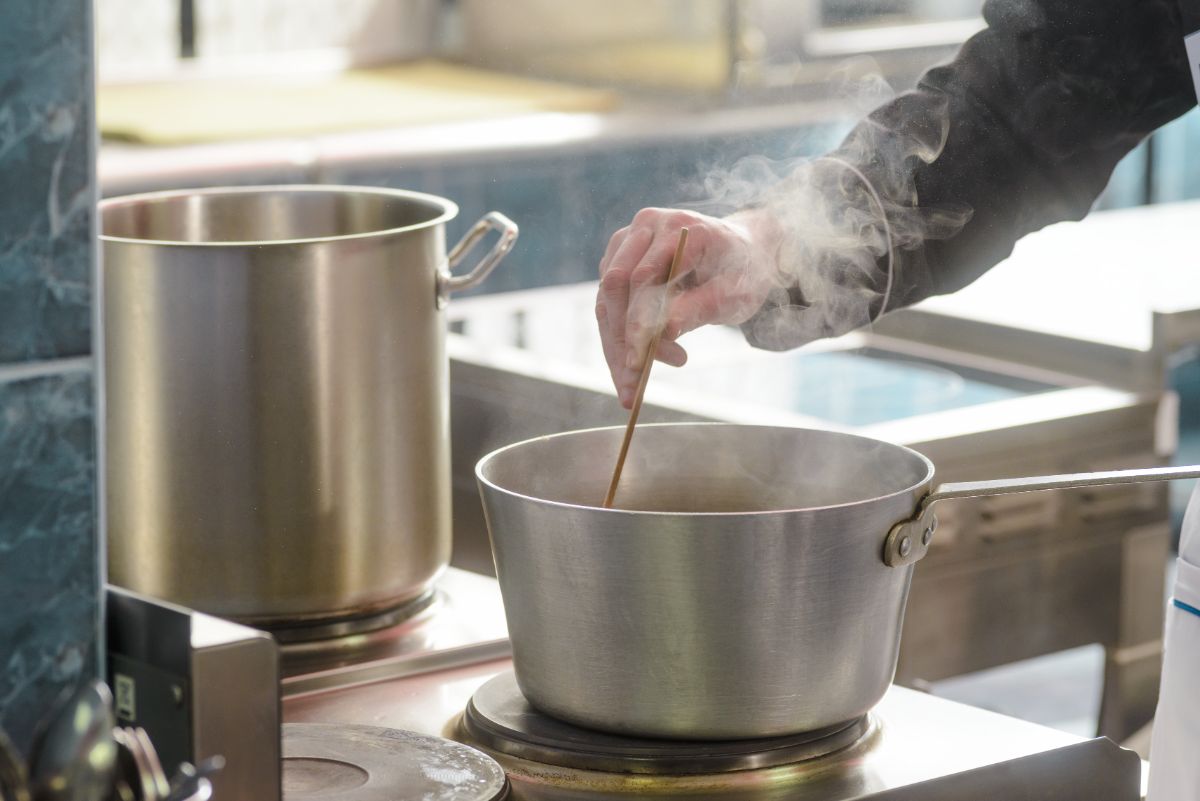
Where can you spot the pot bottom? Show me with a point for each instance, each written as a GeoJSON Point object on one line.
{"type": "Point", "coordinates": [501, 720]}
{"type": "Point", "coordinates": [328, 628]}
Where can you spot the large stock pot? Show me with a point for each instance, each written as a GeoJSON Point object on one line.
{"type": "Point", "coordinates": [751, 582]}
{"type": "Point", "coordinates": [277, 420]}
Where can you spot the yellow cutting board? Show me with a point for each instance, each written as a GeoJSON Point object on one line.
{"type": "Point", "coordinates": [689, 67]}
{"type": "Point", "coordinates": [208, 110]}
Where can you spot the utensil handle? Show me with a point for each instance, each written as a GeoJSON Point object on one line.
{"type": "Point", "coordinates": [908, 540]}
{"type": "Point", "coordinates": [492, 221]}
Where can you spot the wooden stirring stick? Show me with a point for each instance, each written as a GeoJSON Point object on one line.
{"type": "Point", "coordinates": [642, 381]}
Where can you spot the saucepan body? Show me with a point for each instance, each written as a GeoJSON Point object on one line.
{"type": "Point", "coordinates": [738, 590]}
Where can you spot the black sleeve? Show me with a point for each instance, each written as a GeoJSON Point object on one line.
{"type": "Point", "coordinates": [1040, 106]}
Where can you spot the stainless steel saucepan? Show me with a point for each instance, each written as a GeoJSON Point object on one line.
{"type": "Point", "coordinates": [752, 582]}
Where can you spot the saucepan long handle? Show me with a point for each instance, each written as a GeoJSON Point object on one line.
{"type": "Point", "coordinates": [908, 540]}
{"type": "Point", "coordinates": [1006, 486]}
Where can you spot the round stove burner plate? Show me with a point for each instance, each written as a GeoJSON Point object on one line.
{"type": "Point", "coordinates": [304, 634]}
{"type": "Point", "coordinates": [500, 719]}
{"type": "Point", "coordinates": [336, 762]}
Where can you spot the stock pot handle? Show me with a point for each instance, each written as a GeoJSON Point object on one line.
{"type": "Point", "coordinates": [492, 221]}
{"type": "Point", "coordinates": [909, 540]}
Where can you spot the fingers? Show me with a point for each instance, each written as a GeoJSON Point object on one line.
{"type": "Point", "coordinates": [614, 242]}
{"type": "Point", "coordinates": [636, 257]}
{"type": "Point", "coordinates": [670, 352]}
{"type": "Point", "coordinates": [625, 251]}
{"type": "Point", "coordinates": [614, 352]}
{"type": "Point", "coordinates": [632, 299]}
{"type": "Point", "coordinates": [648, 291]}
{"type": "Point", "coordinates": [647, 296]}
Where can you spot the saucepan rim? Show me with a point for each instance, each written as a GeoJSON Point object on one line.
{"type": "Point", "coordinates": [449, 210]}
{"type": "Point", "coordinates": [482, 463]}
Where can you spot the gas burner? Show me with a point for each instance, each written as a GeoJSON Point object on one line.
{"type": "Point", "coordinates": [460, 622]}
{"type": "Point", "coordinates": [335, 762]}
{"type": "Point", "coordinates": [499, 719]}
{"type": "Point", "coordinates": [303, 633]}
{"type": "Point", "coordinates": [354, 643]}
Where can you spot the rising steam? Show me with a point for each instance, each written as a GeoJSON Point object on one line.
{"type": "Point", "coordinates": [846, 221]}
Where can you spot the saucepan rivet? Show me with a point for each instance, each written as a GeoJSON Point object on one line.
{"type": "Point", "coordinates": [905, 546]}
{"type": "Point", "coordinates": [927, 536]}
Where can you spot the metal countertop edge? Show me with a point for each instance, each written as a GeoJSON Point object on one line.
{"type": "Point", "coordinates": [396, 667]}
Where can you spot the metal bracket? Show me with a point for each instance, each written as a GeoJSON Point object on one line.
{"type": "Point", "coordinates": [908, 541]}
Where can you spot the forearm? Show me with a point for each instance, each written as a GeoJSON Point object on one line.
{"type": "Point", "coordinates": [1022, 129]}
{"type": "Point", "coordinates": [1040, 111]}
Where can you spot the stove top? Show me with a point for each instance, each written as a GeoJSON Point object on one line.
{"type": "Point", "coordinates": [331, 762]}
{"type": "Point", "coordinates": [912, 746]}
{"type": "Point", "coordinates": [499, 719]}
{"type": "Point", "coordinates": [461, 623]}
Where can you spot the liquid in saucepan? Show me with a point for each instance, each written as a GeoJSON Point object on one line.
{"type": "Point", "coordinates": [710, 496]}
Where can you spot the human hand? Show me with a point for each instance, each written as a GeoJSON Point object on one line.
{"type": "Point", "coordinates": [728, 267]}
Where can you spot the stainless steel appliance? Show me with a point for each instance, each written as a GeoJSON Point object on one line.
{"type": "Point", "coordinates": [1006, 578]}
{"type": "Point", "coordinates": [200, 687]}
{"type": "Point", "coordinates": [910, 746]}
{"type": "Point", "coordinates": [277, 422]}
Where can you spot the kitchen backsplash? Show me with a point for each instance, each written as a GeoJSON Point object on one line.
{"type": "Point", "coordinates": [568, 204]}
{"type": "Point", "coordinates": [50, 568]}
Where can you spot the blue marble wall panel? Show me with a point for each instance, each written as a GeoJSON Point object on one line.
{"type": "Point", "coordinates": [49, 582]}
{"type": "Point", "coordinates": [50, 565]}
{"type": "Point", "coordinates": [46, 178]}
